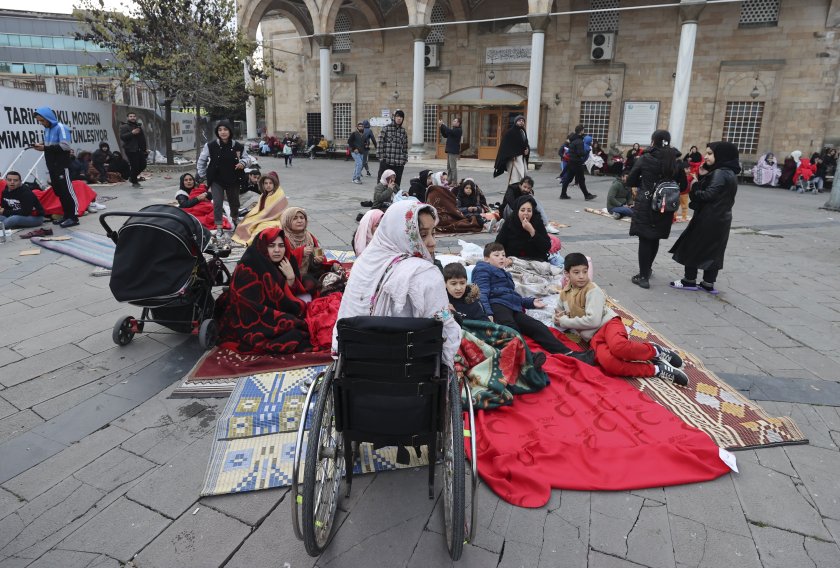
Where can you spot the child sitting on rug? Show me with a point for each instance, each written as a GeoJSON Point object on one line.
{"type": "Point", "coordinates": [464, 299]}
{"type": "Point", "coordinates": [504, 306]}
{"type": "Point", "coordinates": [583, 307]}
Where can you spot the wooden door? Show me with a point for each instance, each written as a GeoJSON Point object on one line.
{"type": "Point", "coordinates": [489, 134]}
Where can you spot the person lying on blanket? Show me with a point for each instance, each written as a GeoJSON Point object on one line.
{"type": "Point", "coordinates": [259, 313]}
{"type": "Point", "coordinates": [583, 307]}
{"type": "Point", "coordinates": [505, 307]}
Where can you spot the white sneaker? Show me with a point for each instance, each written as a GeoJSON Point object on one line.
{"type": "Point", "coordinates": [96, 205]}
{"type": "Point", "coordinates": [552, 229]}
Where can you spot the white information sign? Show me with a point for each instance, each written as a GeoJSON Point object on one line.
{"type": "Point", "coordinates": [386, 113]}
{"type": "Point", "coordinates": [91, 122]}
{"type": "Point", "coordinates": [183, 131]}
{"type": "Point", "coordinates": [379, 121]}
{"type": "Point", "coordinates": [638, 122]}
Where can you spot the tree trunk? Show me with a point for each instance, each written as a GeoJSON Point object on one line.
{"type": "Point", "coordinates": [833, 202]}
{"type": "Point", "coordinates": [167, 118]}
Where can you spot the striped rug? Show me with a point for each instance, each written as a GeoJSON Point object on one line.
{"type": "Point", "coordinates": [97, 250]}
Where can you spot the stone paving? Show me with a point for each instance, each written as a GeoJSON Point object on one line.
{"type": "Point", "coordinates": [98, 468]}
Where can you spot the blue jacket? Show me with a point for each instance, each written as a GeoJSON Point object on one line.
{"type": "Point", "coordinates": [496, 286]}
{"type": "Point", "coordinates": [57, 138]}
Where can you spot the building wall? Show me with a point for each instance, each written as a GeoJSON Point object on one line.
{"type": "Point", "coordinates": [796, 62]}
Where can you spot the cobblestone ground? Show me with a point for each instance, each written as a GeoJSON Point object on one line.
{"type": "Point", "coordinates": [100, 469]}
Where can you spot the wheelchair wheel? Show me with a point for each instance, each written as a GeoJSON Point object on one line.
{"type": "Point", "coordinates": [322, 473]}
{"type": "Point", "coordinates": [453, 470]}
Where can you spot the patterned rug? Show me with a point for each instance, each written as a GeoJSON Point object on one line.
{"type": "Point", "coordinates": [255, 436]}
{"type": "Point", "coordinates": [89, 247]}
{"type": "Point", "coordinates": [708, 403]}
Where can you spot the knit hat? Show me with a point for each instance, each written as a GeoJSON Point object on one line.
{"type": "Point", "coordinates": [661, 138]}
{"type": "Point", "coordinates": [518, 118]}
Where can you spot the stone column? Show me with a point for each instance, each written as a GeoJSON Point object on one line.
{"type": "Point", "coordinates": [418, 93]}
{"type": "Point", "coordinates": [325, 43]}
{"type": "Point", "coordinates": [250, 107]}
{"type": "Point", "coordinates": [539, 23]}
{"type": "Point", "coordinates": [689, 13]}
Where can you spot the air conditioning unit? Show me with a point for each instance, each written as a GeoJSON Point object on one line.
{"type": "Point", "coordinates": [603, 46]}
{"type": "Point", "coordinates": [338, 67]}
{"type": "Point", "coordinates": [432, 58]}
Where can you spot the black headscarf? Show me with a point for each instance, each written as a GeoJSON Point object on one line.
{"type": "Point", "coordinates": [183, 177]}
{"type": "Point", "coordinates": [726, 156]}
{"type": "Point", "coordinates": [519, 242]}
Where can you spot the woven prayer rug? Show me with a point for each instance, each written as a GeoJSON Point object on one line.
{"type": "Point", "coordinates": [255, 436]}
{"type": "Point", "coordinates": [89, 247]}
{"type": "Point", "coordinates": [707, 402]}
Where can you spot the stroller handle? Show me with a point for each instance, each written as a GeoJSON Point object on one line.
{"type": "Point", "coordinates": [112, 234]}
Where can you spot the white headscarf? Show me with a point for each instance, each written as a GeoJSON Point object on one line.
{"type": "Point", "coordinates": [796, 154]}
{"type": "Point", "coordinates": [365, 232]}
{"type": "Point", "coordinates": [437, 179]}
{"type": "Point", "coordinates": [385, 175]}
{"type": "Point", "coordinates": [394, 276]}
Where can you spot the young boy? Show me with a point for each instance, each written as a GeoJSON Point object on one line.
{"type": "Point", "coordinates": [505, 307]}
{"type": "Point", "coordinates": [583, 307]}
{"type": "Point", "coordinates": [463, 297]}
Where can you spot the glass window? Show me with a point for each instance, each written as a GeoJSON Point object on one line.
{"type": "Point", "coordinates": [4, 40]}
{"type": "Point", "coordinates": [47, 42]}
{"type": "Point", "coordinates": [18, 68]}
{"type": "Point", "coordinates": [14, 40]}
{"type": "Point", "coordinates": [595, 117]}
{"type": "Point", "coordinates": [5, 67]}
{"type": "Point", "coordinates": [51, 70]}
{"type": "Point", "coordinates": [25, 41]}
{"type": "Point", "coordinates": [742, 124]}
{"type": "Point", "coordinates": [37, 41]}
{"type": "Point", "coordinates": [79, 44]}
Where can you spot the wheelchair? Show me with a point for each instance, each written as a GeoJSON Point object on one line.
{"type": "Point", "coordinates": [387, 387]}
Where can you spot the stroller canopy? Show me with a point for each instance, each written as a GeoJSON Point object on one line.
{"type": "Point", "coordinates": [156, 257]}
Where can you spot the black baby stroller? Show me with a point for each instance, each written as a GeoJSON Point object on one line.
{"type": "Point", "coordinates": [159, 265]}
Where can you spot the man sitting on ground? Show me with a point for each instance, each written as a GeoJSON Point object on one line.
{"type": "Point", "coordinates": [20, 206]}
{"type": "Point", "coordinates": [619, 199]}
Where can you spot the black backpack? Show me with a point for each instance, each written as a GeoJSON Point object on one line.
{"type": "Point", "coordinates": [666, 196]}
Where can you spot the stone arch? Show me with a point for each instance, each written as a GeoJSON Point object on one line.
{"type": "Point", "coordinates": [252, 13]}
{"type": "Point", "coordinates": [741, 85]}
{"type": "Point", "coordinates": [363, 9]}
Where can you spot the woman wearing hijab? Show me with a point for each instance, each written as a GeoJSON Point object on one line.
{"type": "Point", "coordinates": [395, 275]}
{"type": "Point", "coordinates": [658, 163]}
{"type": "Point", "coordinates": [420, 185]}
{"type": "Point", "coordinates": [266, 213]}
{"type": "Point", "coordinates": [450, 218]}
{"type": "Point", "coordinates": [259, 313]}
{"type": "Point", "coordinates": [703, 243]}
{"type": "Point", "coordinates": [197, 200]}
{"type": "Point", "coordinates": [469, 203]}
{"type": "Point", "coordinates": [366, 230]}
{"type": "Point", "coordinates": [523, 235]}
{"type": "Point", "coordinates": [305, 248]}
{"type": "Point", "coordinates": [383, 193]}
{"type": "Point", "coordinates": [788, 169]}
{"type": "Point", "coordinates": [440, 179]}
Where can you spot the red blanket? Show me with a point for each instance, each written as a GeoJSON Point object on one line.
{"type": "Point", "coordinates": [587, 431]}
{"type": "Point", "coordinates": [203, 211]}
{"type": "Point", "coordinates": [52, 206]}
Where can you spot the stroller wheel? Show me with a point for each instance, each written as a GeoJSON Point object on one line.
{"type": "Point", "coordinates": [123, 332]}
{"type": "Point", "coordinates": [208, 334]}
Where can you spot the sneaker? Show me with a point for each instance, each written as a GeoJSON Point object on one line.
{"type": "Point", "coordinates": [366, 203]}
{"type": "Point", "coordinates": [357, 181]}
{"type": "Point", "coordinates": [492, 226]}
{"type": "Point", "coordinates": [67, 223]}
{"type": "Point", "coordinates": [684, 285]}
{"type": "Point", "coordinates": [590, 197]}
{"type": "Point", "coordinates": [43, 232]}
{"type": "Point", "coordinates": [672, 374]}
{"type": "Point", "coordinates": [99, 206]}
{"type": "Point", "coordinates": [539, 360]}
{"type": "Point", "coordinates": [616, 216]}
{"type": "Point", "coordinates": [368, 174]}
{"type": "Point", "coordinates": [136, 186]}
{"type": "Point", "coordinates": [552, 229]}
{"type": "Point", "coordinates": [564, 196]}
{"type": "Point", "coordinates": [668, 356]}
{"type": "Point", "coordinates": [499, 225]}
{"type": "Point", "coordinates": [58, 221]}
{"type": "Point", "coordinates": [640, 281]}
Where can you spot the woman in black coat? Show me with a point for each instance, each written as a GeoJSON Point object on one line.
{"type": "Point", "coordinates": [703, 243]}
{"type": "Point", "coordinates": [658, 163]}
{"type": "Point", "coordinates": [523, 235]}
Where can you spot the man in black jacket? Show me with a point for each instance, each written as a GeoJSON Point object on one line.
{"type": "Point", "coordinates": [134, 144]}
{"type": "Point", "coordinates": [453, 147]}
{"type": "Point", "coordinates": [221, 163]}
{"type": "Point", "coordinates": [356, 143]}
{"type": "Point", "coordinates": [575, 167]}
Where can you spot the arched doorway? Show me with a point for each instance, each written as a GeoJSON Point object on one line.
{"type": "Point", "coordinates": [486, 114]}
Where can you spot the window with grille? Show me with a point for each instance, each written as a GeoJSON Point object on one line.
{"type": "Point", "coordinates": [342, 121]}
{"type": "Point", "coordinates": [742, 125]}
{"type": "Point", "coordinates": [313, 126]}
{"type": "Point", "coordinates": [430, 125]}
{"type": "Point", "coordinates": [438, 15]}
{"type": "Point", "coordinates": [595, 118]}
{"type": "Point", "coordinates": [606, 21]}
{"type": "Point", "coordinates": [341, 41]}
{"type": "Point", "coordinates": [759, 13]}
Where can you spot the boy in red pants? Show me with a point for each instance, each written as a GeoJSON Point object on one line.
{"type": "Point", "coordinates": [583, 307]}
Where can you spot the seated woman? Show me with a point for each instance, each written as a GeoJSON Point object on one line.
{"type": "Point", "coordinates": [305, 248]}
{"type": "Point", "coordinates": [259, 313]}
{"type": "Point", "coordinates": [266, 213]}
{"type": "Point", "coordinates": [197, 201]}
{"type": "Point", "coordinates": [630, 157]}
{"type": "Point", "coordinates": [523, 235]}
{"type": "Point", "coordinates": [517, 190]}
{"type": "Point", "coordinates": [766, 171]}
{"type": "Point", "coordinates": [383, 193]}
{"type": "Point", "coordinates": [450, 218]}
{"type": "Point", "coordinates": [118, 165]}
{"type": "Point", "coordinates": [366, 229]}
{"type": "Point", "coordinates": [441, 179]}
{"type": "Point", "coordinates": [468, 198]}
{"type": "Point", "coordinates": [396, 276]}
